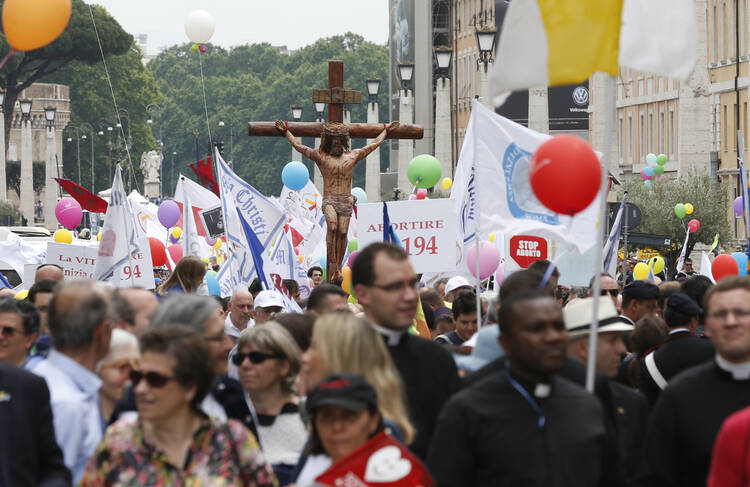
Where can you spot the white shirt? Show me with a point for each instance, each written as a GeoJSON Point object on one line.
{"type": "Point", "coordinates": [314, 466]}
{"type": "Point", "coordinates": [232, 330]}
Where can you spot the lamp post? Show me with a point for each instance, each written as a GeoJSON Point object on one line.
{"type": "Point", "coordinates": [124, 113]}
{"type": "Point", "coordinates": [320, 109]}
{"type": "Point", "coordinates": [406, 117]}
{"type": "Point", "coordinates": [486, 37]}
{"type": "Point", "coordinates": [3, 180]}
{"type": "Point", "coordinates": [443, 152]}
{"type": "Point", "coordinates": [151, 108]}
{"type": "Point", "coordinates": [52, 191]}
{"type": "Point", "coordinates": [103, 122]}
{"type": "Point", "coordinates": [78, 148]}
{"type": "Point", "coordinates": [231, 136]}
{"type": "Point", "coordinates": [171, 176]}
{"type": "Point", "coordinates": [372, 164]}
{"type": "Point", "coordinates": [87, 126]}
{"type": "Point", "coordinates": [27, 174]}
{"type": "Point", "coordinates": [296, 116]}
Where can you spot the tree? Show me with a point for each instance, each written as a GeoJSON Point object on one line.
{"type": "Point", "coordinates": [257, 82]}
{"type": "Point", "coordinates": [708, 197]}
{"type": "Point", "coordinates": [77, 43]}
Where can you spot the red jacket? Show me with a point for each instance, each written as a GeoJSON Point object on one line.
{"type": "Point", "coordinates": [730, 462]}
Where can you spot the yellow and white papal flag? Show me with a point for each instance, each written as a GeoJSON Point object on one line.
{"type": "Point", "coordinates": [554, 42]}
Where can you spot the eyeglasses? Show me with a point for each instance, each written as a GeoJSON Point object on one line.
{"type": "Point", "coordinates": [398, 286]}
{"type": "Point", "coordinates": [722, 314]}
{"type": "Point", "coordinates": [255, 357]}
{"type": "Point", "coordinates": [9, 331]}
{"type": "Point", "coordinates": [153, 379]}
{"type": "Point", "coordinates": [611, 292]}
{"type": "Point", "coordinates": [122, 365]}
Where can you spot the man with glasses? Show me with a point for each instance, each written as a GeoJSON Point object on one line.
{"type": "Point", "coordinates": [692, 407]}
{"type": "Point", "coordinates": [19, 328]}
{"type": "Point", "coordinates": [386, 287]}
{"type": "Point", "coordinates": [608, 287]}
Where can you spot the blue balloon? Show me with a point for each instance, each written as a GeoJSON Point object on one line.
{"type": "Point", "coordinates": [213, 285]}
{"type": "Point", "coordinates": [649, 184]}
{"type": "Point", "coordinates": [741, 259]}
{"type": "Point", "coordinates": [651, 159]}
{"type": "Point", "coordinates": [649, 171]}
{"type": "Point", "coordinates": [323, 263]}
{"type": "Point", "coordinates": [295, 175]}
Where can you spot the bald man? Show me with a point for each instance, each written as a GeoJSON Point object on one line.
{"type": "Point", "coordinates": [49, 272]}
{"type": "Point", "coordinates": [241, 313]}
{"type": "Point", "coordinates": [134, 307]}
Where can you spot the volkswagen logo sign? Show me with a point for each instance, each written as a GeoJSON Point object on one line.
{"type": "Point", "coordinates": [581, 96]}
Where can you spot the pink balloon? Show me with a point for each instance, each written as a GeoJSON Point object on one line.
{"type": "Point", "coordinates": [421, 193]}
{"type": "Point", "coordinates": [203, 48]}
{"type": "Point", "coordinates": [68, 212]}
{"type": "Point", "coordinates": [210, 241]}
{"type": "Point", "coordinates": [694, 225]}
{"type": "Point", "coordinates": [352, 256]}
{"type": "Point", "coordinates": [412, 197]}
{"type": "Point", "coordinates": [644, 176]}
{"type": "Point", "coordinates": [175, 251]}
{"type": "Point", "coordinates": [489, 259]}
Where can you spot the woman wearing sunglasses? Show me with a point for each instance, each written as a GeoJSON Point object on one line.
{"type": "Point", "coordinates": [268, 362]}
{"type": "Point", "coordinates": [173, 442]}
{"type": "Point", "coordinates": [114, 370]}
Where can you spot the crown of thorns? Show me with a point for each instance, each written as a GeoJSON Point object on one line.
{"type": "Point", "coordinates": [336, 129]}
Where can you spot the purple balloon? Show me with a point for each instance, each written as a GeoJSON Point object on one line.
{"type": "Point", "coordinates": [489, 259]}
{"type": "Point", "coordinates": [210, 241]}
{"type": "Point", "coordinates": [739, 205]}
{"type": "Point", "coordinates": [352, 256]}
{"type": "Point", "coordinates": [68, 212]}
{"type": "Point", "coordinates": [173, 239]}
{"type": "Point", "coordinates": [169, 213]}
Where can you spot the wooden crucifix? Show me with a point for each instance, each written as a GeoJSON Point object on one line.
{"type": "Point", "coordinates": [334, 159]}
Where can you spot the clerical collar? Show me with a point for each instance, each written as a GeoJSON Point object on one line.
{"type": "Point", "coordinates": [392, 337]}
{"type": "Point", "coordinates": [738, 371]}
{"type": "Point", "coordinates": [678, 330]}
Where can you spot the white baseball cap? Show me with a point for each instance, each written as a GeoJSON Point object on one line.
{"type": "Point", "coordinates": [268, 299]}
{"type": "Point", "coordinates": [454, 283]}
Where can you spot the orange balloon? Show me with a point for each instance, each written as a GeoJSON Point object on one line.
{"type": "Point", "coordinates": [31, 24]}
{"type": "Point", "coordinates": [346, 283]}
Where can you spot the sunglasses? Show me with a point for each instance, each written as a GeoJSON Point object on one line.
{"type": "Point", "coordinates": [611, 292]}
{"type": "Point", "coordinates": [9, 331]}
{"type": "Point", "coordinates": [122, 365]}
{"type": "Point", "coordinates": [255, 357]}
{"type": "Point", "coordinates": [153, 379]}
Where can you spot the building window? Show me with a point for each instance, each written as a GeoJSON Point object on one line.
{"type": "Point", "coordinates": [651, 131]}
{"type": "Point", "coordinates": [724, 40]}
{"type": "Point", "coordinates": [662, 142]}
{"type": "Point", "coordinates": [671, 134]}
{"type": "Point", "coordinates": [620, 136]}
{"type": "Point", "coordinates": [12, 151]}
{"type": "Point", "coordinates": [715, 36]}
{"type": "Point", "coordinates": [743, 125]}
{"type": "Point", "coordinates": [724, 144]}
{"type": "Point", "coordinates": [733, 41]}
{"type": "Point", "coordinates": [642, 138]}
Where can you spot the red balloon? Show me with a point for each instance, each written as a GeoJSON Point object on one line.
{"type": "Point", "coordinates": [565, 174]}
{"type": "Point", "coordinates": [175, 251]}
{"type": "Point", "coordinates": [158, 252]}
{"type": "Point", "coordinates": [694, 225]}
{"type": "Point", "coordinates": [724, 265]}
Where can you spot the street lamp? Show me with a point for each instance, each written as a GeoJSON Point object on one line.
{"type": "Point", "coordinates": [297, 112]}
{"type": "Point", "coordinates": [25, 109]}
{"type": "Point", "coordinates": [486, 37]}
{"type": "Point", "coordinates": [49, 115]}
{"type": "Point", "coordinates": [87, 126]}
{"type": "Point", "coordinates": [405, 72]}
{"type": "Point", "coordinates": [443, 56]}
{"type": "Point", "coordinates": [78, 148]}
{"type": "Point", "coordinates": [102, 123]}
{"type": "Point", "coordinates": [373, 87]}
{"type": "Point", "coordinates": [153, 107]}
{"type": "Point", "coordinates": [320, 109]}
{"type": "Point", "coordinates": [231, 136]}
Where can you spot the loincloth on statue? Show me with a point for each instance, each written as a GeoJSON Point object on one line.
{"type": "Point", "coordinates": [343, 204]}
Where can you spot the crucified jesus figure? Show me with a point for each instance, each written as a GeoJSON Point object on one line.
{"type": "Point", "coordinates": [336, 163]}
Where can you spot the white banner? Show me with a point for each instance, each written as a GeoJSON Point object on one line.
{"type": "Point", "coordinates": [77, 261]}
{"type": "Point", "coordinates": [138, 272]}
{"type": "Point", "coordinates": [427, 229]}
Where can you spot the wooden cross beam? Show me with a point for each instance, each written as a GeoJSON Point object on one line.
{"type": "Point", "coordinates": [336, 96]}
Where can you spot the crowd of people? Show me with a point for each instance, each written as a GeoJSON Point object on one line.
{"type": "Point", "coordinates": [111, 387]}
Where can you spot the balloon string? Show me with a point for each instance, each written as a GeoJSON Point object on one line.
{"type": "Point", "coordinates": [205, 104]}
{"type": "Point", "coordinates": [12, 52]}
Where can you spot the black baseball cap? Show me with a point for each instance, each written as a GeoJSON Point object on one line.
{"type": "Point", "coordinates": [684, 304]}
{"type": "Point", "coordinates": [641, 290]}
{"type": "Point", "coordinates": [349, 391]}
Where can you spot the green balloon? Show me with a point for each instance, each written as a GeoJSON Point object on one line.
{"type": "Point", "coordinates": [659, 170]}
{"type": "Point", "coordinates": [661, 159]}
{"type": "Point", "coordinates": [680, 211]}
{"type": "Point", "coordinates": [424, 171]}
{"type": "Point", "coordinates": [352, 245]}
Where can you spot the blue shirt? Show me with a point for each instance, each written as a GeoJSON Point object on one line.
{"type": "Point", "coordinates": [74, 397]}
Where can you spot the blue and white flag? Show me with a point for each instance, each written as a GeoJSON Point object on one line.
{"type": "Point", "coordinates": [389, 234]}
{"type": "Point", "coordinates": [609, 264]}
{"type": "Point", "coordinates": [119, 242]}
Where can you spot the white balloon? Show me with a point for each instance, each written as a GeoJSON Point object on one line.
{"type": "Point", "coordinates": [200, 26]}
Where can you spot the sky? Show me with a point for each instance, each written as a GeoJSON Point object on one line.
{"type": "Point", "coordinates": [293, 23]}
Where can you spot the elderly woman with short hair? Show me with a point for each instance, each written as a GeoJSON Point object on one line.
{"type": "Point", "coordinates": [268, 361]}
{"type": "Point", "coordinates": [173, 442]}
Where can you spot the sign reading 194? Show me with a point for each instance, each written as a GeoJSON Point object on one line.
{"type": "Point", "coordinates": [420, 245]}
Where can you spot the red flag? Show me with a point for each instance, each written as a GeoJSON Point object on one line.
{"type": "Point", "coordinates": [87, 199]}
{"type": "Point", "coordinates": [205, 174]}
{"type": "Point", "coordinates": [382, 461]}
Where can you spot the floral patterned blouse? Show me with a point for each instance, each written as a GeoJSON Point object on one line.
{"type": "Point", "coordinates": [220, 455]}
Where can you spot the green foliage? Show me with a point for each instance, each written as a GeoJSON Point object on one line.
{"type": "Point", "coordinates": [257, 83]}
{"type": "Point", "coordinates": [13, 175]}
{"type": "Point", "coordinates": [708, 197]}
{"type": "Point", "coordinates": [9, 214]}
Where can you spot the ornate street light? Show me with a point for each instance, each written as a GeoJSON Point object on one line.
{"type": "Point", "coordinates": [49, 115]}
{"type": "Point", "coordinates": [405, 73]}
{"type": "Point", "coordinates": [296, 112]}
{"type": "Point", "coordinates": [486, 37]}
{"type": "Point", "coordinates": [25, 109]}
{"type": "Point", "coordinates": [443, 57]}
{"type": "Point", "coordinates": [373, 87]}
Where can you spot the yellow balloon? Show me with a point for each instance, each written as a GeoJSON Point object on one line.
{"type": "Point", "coordinates": [99, 237]}
{"type": "Point", "coordinates": [217, 245]}
{"type": "Point", "coordinates": [300, 258]}
{"type": "Point", "coordinates": [447, 183]}
{"type": "Point", "coordinates": [657, 263]}
{"type": "Point", "coordinates": [492, 236]}
{"type": "Point", "coordinates": [689, 208]}
{"type": "Point", "coordinates": [640, 271]}
{"type": "Point", "coordinates": [31, 24]}
{"type": "Point", "coordinates": [346, 283]}
{"type": "Point", "coordinates": [63, 236]}
{"type": "Point", "coordinates": [23, 294]}
{"type": "Point", "coordinates": [177, 232]}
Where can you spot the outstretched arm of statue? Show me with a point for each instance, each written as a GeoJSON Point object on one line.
{"type": "Point", "coordinates": [366, 150]}
{"type": "Point", "coordinates": [302, 149]}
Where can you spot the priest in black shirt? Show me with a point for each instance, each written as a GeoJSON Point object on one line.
{"type": "Point", "coordinates": [525, 426]}
{"type": "Point", "coordinates": [386, 287]}
{"type": "Point", "coordinates": [691, 409]}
